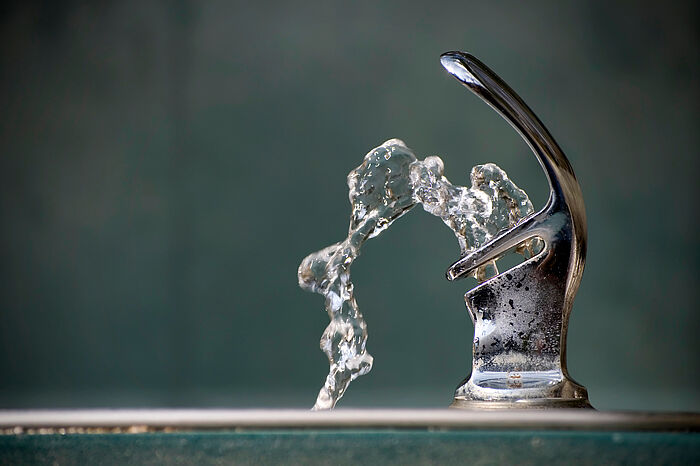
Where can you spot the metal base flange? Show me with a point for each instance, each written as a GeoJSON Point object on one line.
{"type": "Point", "coordinates": [534, 403]}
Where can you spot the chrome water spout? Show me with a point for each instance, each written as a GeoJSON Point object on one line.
{"type": "Point", "coordinates": [521, 315]}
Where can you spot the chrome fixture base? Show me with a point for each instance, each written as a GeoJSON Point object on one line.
{"type": "Point", "coordinates": [539, 403]}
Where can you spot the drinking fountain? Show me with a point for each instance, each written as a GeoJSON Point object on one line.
{"type": "Point", "coordinates": [519, 403]}
{"type": "Point", "coordinates": [521, 316]}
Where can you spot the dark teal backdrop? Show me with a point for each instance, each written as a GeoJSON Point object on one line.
{"type": "Point", "coordinates": [166, 165]}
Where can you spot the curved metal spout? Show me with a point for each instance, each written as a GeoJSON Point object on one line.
{"type": "Point", "coordinates": [521, 315]}
{"type": "Point", "coordinates": [565, 193]}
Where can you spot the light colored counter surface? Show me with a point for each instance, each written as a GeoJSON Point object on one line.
{"type": "Point", "coordinates": [140, 420]}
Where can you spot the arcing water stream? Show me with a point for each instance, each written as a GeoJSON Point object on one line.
{"type": "Point", "coordinates": [389, 182]}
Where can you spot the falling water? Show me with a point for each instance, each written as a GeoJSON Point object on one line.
{"type": "Point", "coordinates": [389, 182]}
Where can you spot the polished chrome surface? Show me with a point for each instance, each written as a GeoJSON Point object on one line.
{"type": "Point", "coordinates": [521, 315]}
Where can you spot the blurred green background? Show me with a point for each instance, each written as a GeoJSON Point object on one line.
{"type": "Point", "coordinates": [166, 165]}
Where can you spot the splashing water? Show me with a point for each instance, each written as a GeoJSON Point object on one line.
{"type": "Point", "coordinates": [389, 182]}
